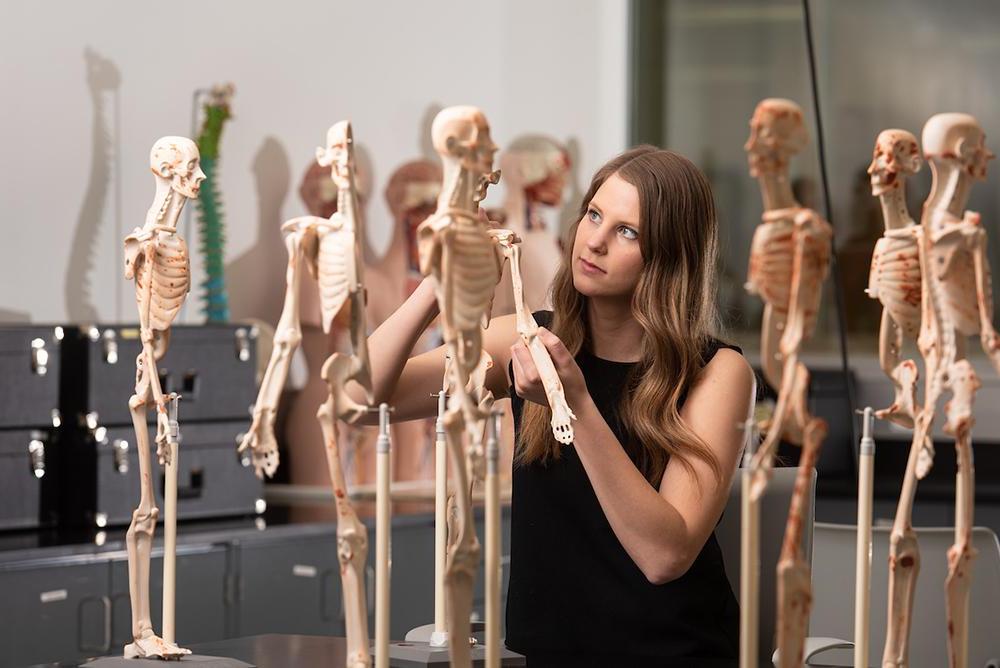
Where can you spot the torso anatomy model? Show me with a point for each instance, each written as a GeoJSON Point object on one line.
{"type": "Point", "coordinates": [456, 249]}
{"type": "Point", "coordinates": [156, 257]}
{"type": "Point", "coordinates": [330, 248]}
{"type": "Point", "coordinates": [789, 260]}
{"type": "Point", "coordinates": [955, 302]}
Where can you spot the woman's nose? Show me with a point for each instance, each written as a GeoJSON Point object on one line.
{"type": "Point", "coordinates": [597, 242]}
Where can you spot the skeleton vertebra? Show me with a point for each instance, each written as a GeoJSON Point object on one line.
{"type": "Point", "coordinates": [789, 260]}
{"type": "Point", "coordinates": [156, 258]}
{"type": "Point", "coordinates": [458, 252]}
{"type": "Point", "coordinates": [956, 298]}
{"type": "Point", "coordinates": [330, 248]}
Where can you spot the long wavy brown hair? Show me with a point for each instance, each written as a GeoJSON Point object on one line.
{"type": "Point", "coordinates": [674, 303]}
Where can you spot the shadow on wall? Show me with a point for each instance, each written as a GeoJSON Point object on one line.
{"type": "Point", "coordinates": [257, 277]}
{"type": "Point", "coordinates": [103, 80]}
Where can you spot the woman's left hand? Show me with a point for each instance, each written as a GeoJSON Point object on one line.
{"type": "Point", "coordinates": [528, 380]}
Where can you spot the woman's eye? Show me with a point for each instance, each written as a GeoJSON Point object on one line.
{"type": "Point", "coordinates": [628, 233]}
{"type": "Point", "coordinates": [593, 216]}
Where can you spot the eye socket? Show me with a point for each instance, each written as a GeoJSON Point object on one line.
{"type": "Point", "coordinates": [628, 232]}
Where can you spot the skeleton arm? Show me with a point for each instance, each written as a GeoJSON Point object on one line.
{"type": "Point", "coordinates": [287, 336]}
{"type": "Point", "coordinates": [984, 291]}
{"type": "Point", "coordinates": [562, 414]}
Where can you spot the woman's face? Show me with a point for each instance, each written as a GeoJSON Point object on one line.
{"type": "Point", "coordinates": [607, 260]}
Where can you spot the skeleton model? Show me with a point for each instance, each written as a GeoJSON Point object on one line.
{"type": "Point", "coordinates": [156, 257]}
{"type": "Point", "coordinates": [789, 259]}
{"type": "Point", "coordinates": [330, 249]}
{"type": "Point", "coordinates": [955, 299]}
{"type": "Point", "coordinates": [456, 249]}
{"type": "Point", "coordinates": [895, 270]}
{"type": "Point", "coordinates": [562, 415]}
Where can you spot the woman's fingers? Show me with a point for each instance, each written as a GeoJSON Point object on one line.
{"type": "Point", "coordinates": [557, 349]}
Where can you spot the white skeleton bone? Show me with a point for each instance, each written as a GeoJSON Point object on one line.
{"type": "Point", "coordinates": [456, 249]}
{"type": "Point", "coordinates": [156, 257]}
{"type": "Point", "coordinates": [331, 250]}
{"type": "Point", "coordinates": [789, 260]}
{"type": "Point", "coordinates": [562, 414]}
{"type": "Point", "coordinates": [956, 299]}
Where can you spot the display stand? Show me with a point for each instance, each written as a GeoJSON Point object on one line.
{"type": "Point", "coordinates": [188, 661]}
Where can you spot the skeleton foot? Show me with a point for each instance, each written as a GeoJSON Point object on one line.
{"type": "Point", "coordinates": [154, 647]}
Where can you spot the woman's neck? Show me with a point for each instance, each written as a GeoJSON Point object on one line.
{"type": "Point", "coordinates": [614, 333]}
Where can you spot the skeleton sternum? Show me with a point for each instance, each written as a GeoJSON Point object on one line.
{"type": "Point", "coordinates": [170, 276]}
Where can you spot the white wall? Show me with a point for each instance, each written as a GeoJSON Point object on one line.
{"type": "Point", "coordinates": [75, 177]}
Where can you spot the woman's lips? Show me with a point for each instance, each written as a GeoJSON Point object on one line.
{"type": "Point", "coordinates": [590, 269]}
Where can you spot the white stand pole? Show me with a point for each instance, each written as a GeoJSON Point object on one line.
{"type": "Point", "coordinates": [439, 638]}
{"type": "Point", "coordinates": [863, 561]}
{"type": "Point", "coordinates": [383, 475]}
{"type": "Point", "coordinates": [170, 526]}
{"type": "Point", "coordinates": [749, 561]}
{"type": "Point", "coordinates": [492, 542]}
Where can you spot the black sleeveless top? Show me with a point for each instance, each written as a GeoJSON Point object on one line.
{"type": "Point", "coordinates": [575, 597]}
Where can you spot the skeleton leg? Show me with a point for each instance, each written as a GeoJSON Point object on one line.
{"type": "Point", "coordinates": [139, 540]}
{"type": "Point", "coordinates": [961, 554]}
{"type": "Point", "coordinates": [904, 555]}
{"type": "Point", "coordinates": [794, 585]}
{"type": "Point", "coordinates": [352, 544]}
{"type": "Point", "coordinates": [463, 553]}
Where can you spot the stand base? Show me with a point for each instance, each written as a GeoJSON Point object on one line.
{"type": "Point", "coordinates": [188, 661]}
{"type": "Point", "coordinates": [418, 654]}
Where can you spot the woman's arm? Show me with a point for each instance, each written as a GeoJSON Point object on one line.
{"type": "Point", "coordinates": [663, 531]}
{"type": "Point", "coordinates": [407, 383]}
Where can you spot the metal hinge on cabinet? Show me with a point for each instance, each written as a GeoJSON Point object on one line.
{"type": "Point", "coordinates": [243, 338]}
{"type": "Point", "coordinates": [39, 357]}
{"type": "Point", "coordinates": [36, 453]}
{"type": "Point", "coordinates": [119, 448]}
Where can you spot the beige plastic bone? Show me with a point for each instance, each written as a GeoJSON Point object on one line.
{"type": "Point", "coordinates": [331, 250]}
{"type": "Point", "coordinates": [456, 249]}
{"type": "Point", "coordinates": [156, 257]}
{"type": "Point", "coordinates": [527, 328]}
{"type": "Point", "coordinates": [956, 299]}
{"type": "Point", "coordinates": [789, 260]}
{"type": "Point", "coordinates": [895, 269]}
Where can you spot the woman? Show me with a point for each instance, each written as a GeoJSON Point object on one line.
{"type": "Point", "coordinates": [613, 557]}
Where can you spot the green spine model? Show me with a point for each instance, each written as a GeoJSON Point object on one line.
{"type": "Point", "coordinates": [211, 228]}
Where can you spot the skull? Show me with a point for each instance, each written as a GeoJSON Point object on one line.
{"type": "Point", "coordinates": [777, 131]}
{"type": "Point", "coordinates": [339, 153]}
{"type": "Point", "coordinates": [960, 138]}
{"type": "Point", "coordinates": [177, 159]}
{"type": "Point", "coordinates": [896, 154]}
{"type": "Point", "coordinates": [463, 133]}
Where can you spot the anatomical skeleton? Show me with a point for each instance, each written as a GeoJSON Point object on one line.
{"type": "Point", "coordinates": [955, 302]}
{"type": "Point", "coordinates": [789, 260]}
{"type": "Point", "coordinates": [456, 249]}
{"type": "Point", "coordinates": [330, 248]}
{"type": "Point", "coordinates": [156, 257]}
